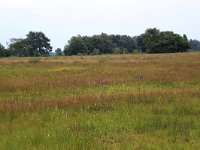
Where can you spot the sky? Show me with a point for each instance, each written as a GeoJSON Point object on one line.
{"type": "Point", "coordinates": [62, 19]}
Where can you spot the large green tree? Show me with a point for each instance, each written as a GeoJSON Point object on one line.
{"type": "Point", "coordinates": [19, 47]}
{"type": "Point", "coordinates": [151, 39]}
{"type": "Point", "coordinates": [154, 41]}
{"type": "Point", "coordinates": [38, 44]}
{"type": "Point", "coordinates": [76, 46]}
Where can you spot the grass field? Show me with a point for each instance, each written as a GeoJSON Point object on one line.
{"type": "Point", "coordinates": [136, 101]}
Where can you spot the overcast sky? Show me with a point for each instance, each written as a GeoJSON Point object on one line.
{"type": "Point", "coordinates": [62, 19]}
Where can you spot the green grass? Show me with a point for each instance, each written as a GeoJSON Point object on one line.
{"type": "Point", "coordinates": [145, 102]}
{"type": "Point", "coordinates": [145, 123]}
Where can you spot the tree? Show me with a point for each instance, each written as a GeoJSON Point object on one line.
{"type": "Point", "coordinates": [103, 42]}
{"type": "Point", "coordinates": [38, 44]}
{"type": "Point", "coordinates": [18, 47]}
{"type": "Point", "coordinates": [58, 52]}
{"type": "Point", "coordinates": [140, 43]}
{"type": "Point", "coordinates": [76, 46]}
{"type": "Point", "coordinates": [195, 44]}
{"type": "Point", "coordinates": [124, 42]}
{"type": "Point", "coordinates": [183, 43]}
{"type": "Point", "coordinates": [151, 39]}
{"type": "Point", "coordinates": [2, 50]}
{"type": "Point", "coordinates": [154, 41]}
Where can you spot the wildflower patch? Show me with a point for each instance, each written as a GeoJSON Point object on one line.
{"type": "Point", "coordinates": [69, 69]}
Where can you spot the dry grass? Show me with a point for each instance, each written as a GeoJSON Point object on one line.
{"type": "Point", "coordinates": [106, 102]}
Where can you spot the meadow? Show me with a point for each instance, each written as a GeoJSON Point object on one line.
{"type": "Point", "coordinates": [135, 101]}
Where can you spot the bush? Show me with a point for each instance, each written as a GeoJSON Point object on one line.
{"type": "Point", "coordinates": [96, 51]}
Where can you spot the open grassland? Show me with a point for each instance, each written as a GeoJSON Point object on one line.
{"type": "Point", "coordinates": [101, 102]}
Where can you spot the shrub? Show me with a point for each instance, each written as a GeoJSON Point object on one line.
{"type": "Point", "coordinates": [96, 51]}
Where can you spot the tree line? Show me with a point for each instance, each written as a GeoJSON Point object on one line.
{"type": "Point", "coordinates": [101, 44]}
{"type": "Point", "coordinates": [152, 41]}
{"type": "Point", "coordinates": [35, 44]}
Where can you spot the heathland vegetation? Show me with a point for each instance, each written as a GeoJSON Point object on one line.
{"type": "Point", "coordinates": [152, 41]}
{"type": "Point", "coordinates": [146, 101]}
{"type": "Point", "coordinates": [140, 101]}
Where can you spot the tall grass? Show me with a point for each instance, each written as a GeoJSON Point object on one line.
{"type": "Point", "coordinates": [101, 102]}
